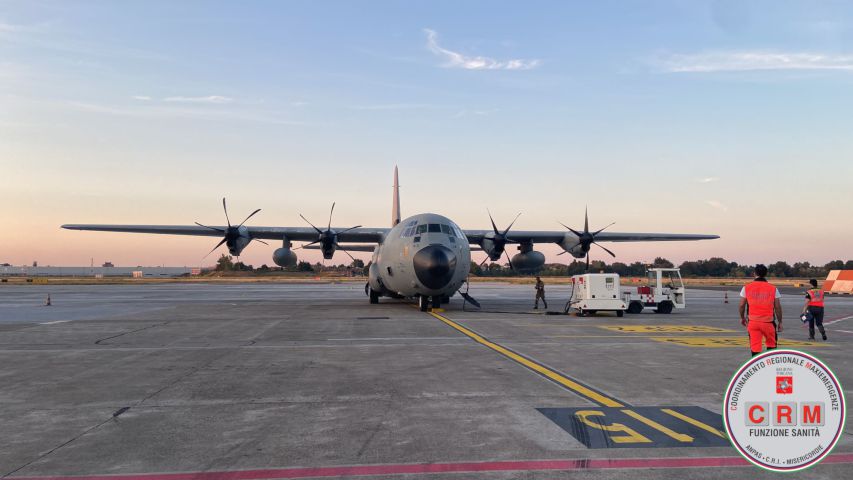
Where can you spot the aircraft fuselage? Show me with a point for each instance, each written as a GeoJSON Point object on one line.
{"type": "Point", "coordinates": [424, 255]}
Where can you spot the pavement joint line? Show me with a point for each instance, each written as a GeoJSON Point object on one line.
{"type": "Point", "coordinates": [580, 464]}
{"type": "Point", "coordinates": [561, 379]}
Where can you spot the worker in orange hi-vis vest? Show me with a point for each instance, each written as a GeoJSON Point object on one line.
{"type": "Point", "coordinates": [814, 305]}
{"type": "Point", "coordinates": [762, 298]}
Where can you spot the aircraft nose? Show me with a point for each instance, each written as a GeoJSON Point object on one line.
{"type": "Point", "coordinates": [435, 266]}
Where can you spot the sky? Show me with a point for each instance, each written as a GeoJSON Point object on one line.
{"type": "Point", "coordinates": [724, 117]}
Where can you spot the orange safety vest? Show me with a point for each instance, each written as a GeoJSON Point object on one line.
{"type": "Point", "coordinates": [816, 297]}
{"type": "Point", "coordinates": [761, 297]}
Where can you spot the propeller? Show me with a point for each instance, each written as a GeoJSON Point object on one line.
{"type": "Point", "coordinates": [586, 238]}
{"type": "Point", "coordinates": [231, 233]}
{"type": "Point", "coordinates": [328, 238]}
{"type": "Point", "coordinates": [499, 241]}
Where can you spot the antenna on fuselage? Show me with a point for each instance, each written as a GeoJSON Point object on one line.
{"type": "Point", "coordinates": [395, 202]}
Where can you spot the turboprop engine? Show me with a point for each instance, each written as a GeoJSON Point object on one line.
{"type": "Point", "coordinates": [578, 251]}
{"type": "Point", "coordinates": [578, 243]}
{"type": "Point", "coordinates": [235, 237]}
{"type": "Point", "coordinates": [328, 238]}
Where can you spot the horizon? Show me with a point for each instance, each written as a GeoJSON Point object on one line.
{"type": "Point", "coordinates": [718, 117]}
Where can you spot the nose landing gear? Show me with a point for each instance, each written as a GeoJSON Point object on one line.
{"type": "Point", "coordinates": [425, 302]}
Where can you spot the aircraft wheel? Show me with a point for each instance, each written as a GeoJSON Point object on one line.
{"type": "Point", "coordinates": [436, 302]}
{"type": "Point", "coordinates": [423, 303]}
{"type": "Point", "coordinates": [374, 296]}
{"type": "Point", "coordinates": [619, 313]}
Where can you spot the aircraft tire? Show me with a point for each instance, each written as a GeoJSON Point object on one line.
{"type": "Point", "coordinates": [423, 303]}
{"type": "Point", "coordinates": [374, 296]}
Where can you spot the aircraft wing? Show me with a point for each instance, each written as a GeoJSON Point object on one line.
{"type": "Point", "coordinates": [299, 234]}
{"type": "Point", "coordinates": [651, 237]}
{"type": "Point", "coordinates": [476, 236]}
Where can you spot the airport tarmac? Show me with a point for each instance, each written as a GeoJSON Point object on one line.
{"type": "Point", "coordinates": [252, 381]}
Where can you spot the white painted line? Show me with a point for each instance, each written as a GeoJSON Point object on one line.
{"type": "Point", "coordinates": [389, 338]}
{"type": "Point", "coordinates": [54, 322]}
{"type": "Point", "coordinates": [838, 320]}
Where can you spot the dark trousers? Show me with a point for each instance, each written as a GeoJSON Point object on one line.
{"type": "Point", "coordinates": [817, 319]}
{"type": "Point", "coordinates": [542, 296]}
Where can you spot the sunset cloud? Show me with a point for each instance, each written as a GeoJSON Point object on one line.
{"type": "Point", "coordinates": [459, 60]}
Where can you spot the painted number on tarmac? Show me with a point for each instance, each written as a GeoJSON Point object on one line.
{"type": "Point", "coordinates": [724, 342]}
{"type": "Point", "coordinates": [664, 329]}
{"type": "Point", "coordinates": [619, 427]}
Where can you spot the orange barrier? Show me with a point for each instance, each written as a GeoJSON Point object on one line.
{"type": "Point", "coordinates": [839, 281]}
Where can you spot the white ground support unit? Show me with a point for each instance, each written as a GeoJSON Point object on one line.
{"type": "Point", "coordinates": [663, 291]}
{"type": "Point", "coordinates": [596, 292]}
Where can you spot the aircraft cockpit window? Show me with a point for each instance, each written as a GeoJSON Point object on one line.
{"type": "Point", "coordinates": [446, 229]}
{"type": "Point", "coordinates": [434, 228]}
{"type": "Point", "coordinates": [422, 228]}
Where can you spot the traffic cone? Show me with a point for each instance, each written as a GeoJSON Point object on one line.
{"type": "Point", "coordinates": [47, 302]}
{"type": "Point", "coordinates": [726, 297]}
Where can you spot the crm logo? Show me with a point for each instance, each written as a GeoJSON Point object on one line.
{"type": "Point", "coordinates": [784, 410]}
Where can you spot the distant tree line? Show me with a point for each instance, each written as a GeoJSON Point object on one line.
{"type": "Point", "coordinates": [226, 263]}
{"type": "Point", "coordinates": [712, 267]}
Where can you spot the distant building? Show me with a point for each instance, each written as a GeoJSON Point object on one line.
{"type": "Point", "coordinates": [108, 265]}
{"type": "Point", "coordinates": [98, 272]}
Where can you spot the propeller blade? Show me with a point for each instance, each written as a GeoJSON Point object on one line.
{"type": "Point", "coordinates": [348, 229]}
{"type": "Point", "coordinates": [226, 212]}
{"type": "Point", "coordinates": [212, 228]}
{"type": "Point", "coordinates": [606, 250]}
{"type": "Point", "coordinates": [247, 218]}
{"type": "Point", "coordinates": [586, 219]}
{"type": "Point", "coordinates": [348, 254]}
{"type": "Point", "coordinates": [511, 224]}
{"type": "Point", "coordinates": [309, 223]}
{"type": "Point", "coordinates": [484, 260]}
{"type": "Point", "coordinates": [561, 253]}
{"type": "Point", "coordinates": [596, 233]}
{"type": "Point", "coordinates": [494, 227]}
{"type": "Point", "coordinates": [307, 244]}
{"type": "Point", "coordinates": [214, 248]}
{"type": "Point", "coordinates": [577, 233]}
{"type": "Point", "coordinates": [511, 267]}
{"type": "Point", "coordinates": [587, 261]}
{"type": "Point", "coordinates": [330, 216]}
{"type": "Point", "coordinates": [265, 243]}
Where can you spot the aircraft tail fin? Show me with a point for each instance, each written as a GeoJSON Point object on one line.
{"type": "Point", "coordinates": [395, 205]}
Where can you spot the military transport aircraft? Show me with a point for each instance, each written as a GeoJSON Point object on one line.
{"type": "Point", "coordinates": [426, 256]}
